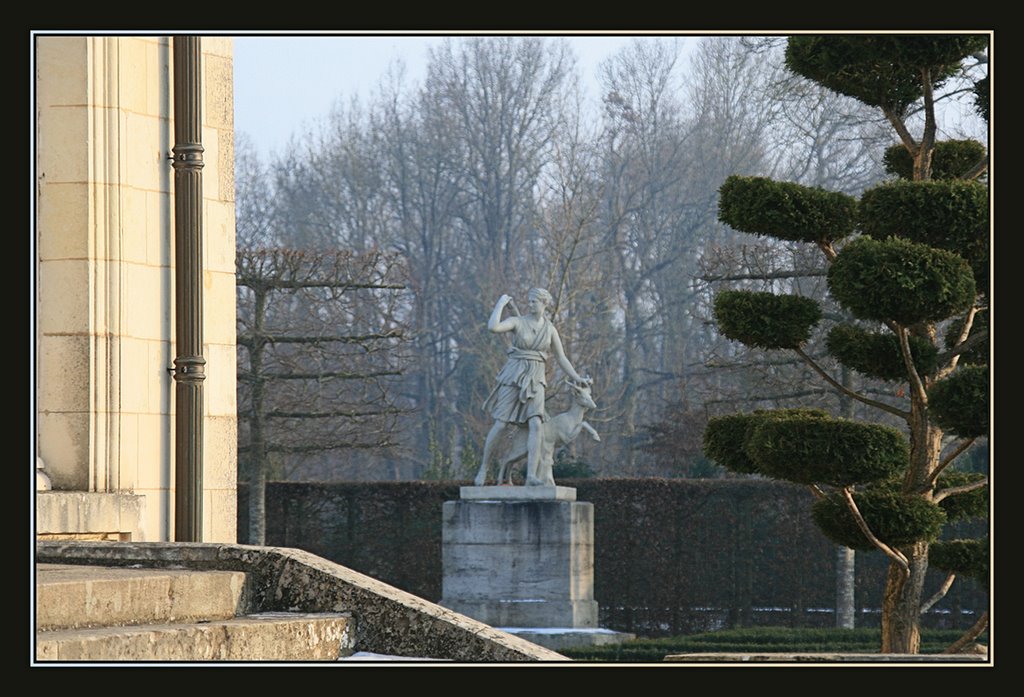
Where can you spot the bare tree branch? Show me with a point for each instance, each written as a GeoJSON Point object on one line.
{"type": "Point", "coordinates": [325, 375]}
{"type": "Point", "coordinates": [977, 170]}
{"type": "Point", "coordinates": [939, 594]}
{"type": "Point", "coordinates": [845, 390]}
{"type": "Point", "coordinates": [970, 635]}
{"type": "Point", "coordinates": [962, 446]}
{"type": "Point", "coordinates": [916, 384]}
{"type": "Point", "coordinates": [954, 490]}
{"type": "Point", "coordinates": [796, 273]}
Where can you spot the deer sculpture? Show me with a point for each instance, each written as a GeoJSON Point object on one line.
{"type": "Point", "coordinates": [557, 430]}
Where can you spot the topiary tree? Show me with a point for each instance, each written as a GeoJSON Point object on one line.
{"type": "Point", "coordinates": [909, 261]}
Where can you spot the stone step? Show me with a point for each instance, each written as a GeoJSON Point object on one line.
{"type": "Point", "coordinates": [70, 596]}
{"type": "Point", "coordinates": [99, 613]}
{"type": "Point", "coordinates": [277, 636]}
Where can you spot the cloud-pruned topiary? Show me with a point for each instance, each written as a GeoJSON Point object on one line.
{"type": "Point", "coordinates": [965, 557]}
{"type": "Point", "coordinates": [877, 354]}
{"type": "Point", "coordinates": [900, 280]}
{"type": "Point", "coordinates": [981, 97]}
{"type": "Point", "coordinates": [765, 320]}
{"type": "Point", "coordinates": [965, 505]}
{"type": "Point", "coordinates": [785, 210]}
{"type": "Point", "coordinates": [951, 159]}
{"type": "Point", "coordinates": [725, 437]}
{"type": "Point", "coordinates": [951, 215]}
{"type": "Point", "coordinates": [959, 403]}
{"type": "Point", "coordinates": [838, 452]}
{"type": "Point", "coordinates": [895, 518]}
{"type": "Point", "coordinates": [978, 354]}
{"type": "Point", "coordinates": [880, 70]}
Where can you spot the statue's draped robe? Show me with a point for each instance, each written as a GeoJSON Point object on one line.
{"type": "Point", "coordinates": [519, 394]}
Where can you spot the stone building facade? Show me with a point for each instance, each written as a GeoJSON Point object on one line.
{"type": "Point", "coordinates": [104, 305]}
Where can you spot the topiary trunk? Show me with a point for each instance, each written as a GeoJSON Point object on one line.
{"type": "Point", "coordinates": [901, 602]}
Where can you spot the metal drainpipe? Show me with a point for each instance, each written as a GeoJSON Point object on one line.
{"type": "Point", "coordinates": [189, 364]}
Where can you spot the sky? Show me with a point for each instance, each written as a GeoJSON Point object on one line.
{"type": "Point", "coordinates": [285, 84]}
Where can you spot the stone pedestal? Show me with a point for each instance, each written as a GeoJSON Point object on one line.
{"type": "Point", "coordinates": [520, 556]}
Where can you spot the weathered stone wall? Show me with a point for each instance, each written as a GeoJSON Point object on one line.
{"type": "Point", "coordinates": [105, 281]}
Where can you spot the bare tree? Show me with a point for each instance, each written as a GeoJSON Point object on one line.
{"type": "Point", "coordinates": [319, 341]}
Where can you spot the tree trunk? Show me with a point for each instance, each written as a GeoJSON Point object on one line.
{"type": "Point", "coordinates": [901, 604]}
{"type": "Point", "coordinates": [257, 444]}
{"type": "Point", "coordinates": [845, 577]}
{"type": "Point", "coordinates": [258, 508]}
{"type": "Point", "coordinates": [901, 615]}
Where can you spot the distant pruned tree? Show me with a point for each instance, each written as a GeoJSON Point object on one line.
{"type": "Point", "coordinates": [320, 344]}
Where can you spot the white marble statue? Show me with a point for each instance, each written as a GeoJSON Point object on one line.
{"type": "Point", "coordinates": [517, 402]}
{"type": "Point", "coordinates": [560, 429]}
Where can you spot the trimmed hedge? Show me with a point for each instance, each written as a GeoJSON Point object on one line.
{"type": "Point", "coordinates": [900, 280]}
{"type": "Point", "coordinates": [765, 320]}
{"type": "Point", "coordinates": [671, 556]}
{"type": "Point", "coordinates": [877, 354]}
{"type": "Point", "coordinates": [785, 210]}
{"type": "Point", "coordinates": [757, 640]}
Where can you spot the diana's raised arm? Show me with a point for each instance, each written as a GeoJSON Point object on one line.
{"type": "Point", "coordinates": [495, 323]}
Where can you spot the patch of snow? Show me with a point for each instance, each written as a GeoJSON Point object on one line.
{"type": "Point", "coordinates": [368, 656]}
{"type": "Point", "coordinates": [556, 630]}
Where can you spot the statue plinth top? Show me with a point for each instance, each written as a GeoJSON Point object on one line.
{"type": "Point", "coordinates": [517, 493]}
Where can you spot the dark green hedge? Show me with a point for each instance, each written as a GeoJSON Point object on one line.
{"type": "Point", "coordinates": [877, 354]}
{"type": "Point", "coordinates": [671, 556]}
{"type": "Point", "coordinates": [785, 210]}
{"type": "Point", "coordinates": [959, 403]}
{"type": "Point", "coordinates": [900, 280]}
{"type": "Point", "coordinates": [951, 159]}
{"type": "Point", "coordinates": [758, 640]}
{"type": "Point", "coordinates": [880, 70]}
{"type": "Point", "coordinates": [765, 320]}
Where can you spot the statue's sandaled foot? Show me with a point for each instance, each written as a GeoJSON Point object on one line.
{"type": "Point", "coordinates": [480, 480]}
{"type": "Point", "coordinates": [533, 481]}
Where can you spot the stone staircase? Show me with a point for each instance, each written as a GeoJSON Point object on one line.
{"type": "Point", "coordinates": [197, 602]}
{"type": "Point", "coordinates": [93, 613]}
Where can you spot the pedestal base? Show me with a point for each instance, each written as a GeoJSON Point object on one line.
{"type": "Point", "coordinates": [520, 563]}
{"type": "Point", "coordinates": [528, 613]}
